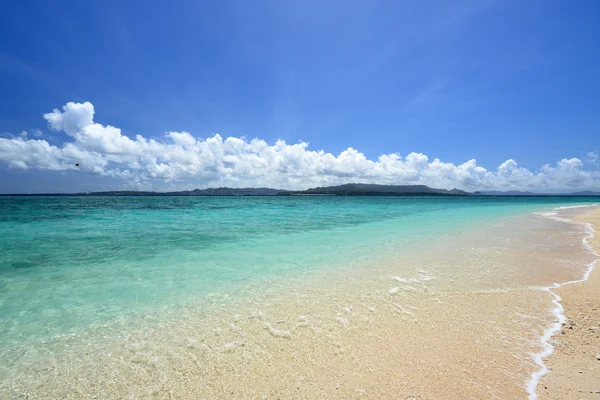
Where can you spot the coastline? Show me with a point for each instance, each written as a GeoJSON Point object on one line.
{"type": "Point", "coordinates": [401, 328]}
{"type": "Point", "coordinates": [574, 364]}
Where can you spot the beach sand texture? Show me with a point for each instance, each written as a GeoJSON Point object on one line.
{"type": "Point", "coordinates": [370, 334]}
{"type": "Point", "coordinates": [575, 362]}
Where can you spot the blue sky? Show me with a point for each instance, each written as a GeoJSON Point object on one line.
{"type": "Point", "coordinates": [459, 80]}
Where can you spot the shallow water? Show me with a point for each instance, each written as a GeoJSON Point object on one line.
{"type": "Point", "coordinates": [116, 291]}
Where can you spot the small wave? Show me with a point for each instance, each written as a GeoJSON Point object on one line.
{"type": "Point", "coordinates": [576, 206]}
{"type": "Point", "coordinates": [405, 280]}
{"type": "Point", "coordinates": [277, 333]}
{"type": "Point", "coordinates": [403, 309]}
{"type": "Point", "coordinates": [219, 207]}
{"type": "Point", "coordinates": [538, 358]}
{"type": "Point", "coordinates": [423, 277]}
{"type": "Point", "coordinates": [506, 290]}
{"type": "Point", "coordinates": [558, 311]}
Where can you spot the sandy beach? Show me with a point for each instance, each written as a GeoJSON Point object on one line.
{"type": "Point", "coordinates": [575, 363]}
{"type": "Point", "coordinates": [459, 320]}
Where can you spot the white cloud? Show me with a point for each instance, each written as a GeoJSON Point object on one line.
{"type": "Point", "coordinates": [73, 119]}
{"type": "Point", "coordinates": [182, 138]}
{"type": "Point", "coordinates": [181, 158]}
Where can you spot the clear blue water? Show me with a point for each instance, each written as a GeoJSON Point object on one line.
{"type": "Point", "coordinates": [67, 262]}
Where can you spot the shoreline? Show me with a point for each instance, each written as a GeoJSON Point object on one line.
{"type": "Point", "coordinates": [391, 329]}
{"type": "Point", "coordinates": [574, 357]}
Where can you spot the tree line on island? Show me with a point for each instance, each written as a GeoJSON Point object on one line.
{"type": "Point", "coordinates": [349, 189]}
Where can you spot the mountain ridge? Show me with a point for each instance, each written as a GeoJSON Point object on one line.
{"type": "Point", "coordinates": [357, 189]}
{"type": "Point", "coordinates": [348, 189]}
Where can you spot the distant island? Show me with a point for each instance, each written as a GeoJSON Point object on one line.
{"type": "Point", "coordinates": [363, 189]}
{"type": "Point", "coordinates": [349, 189]}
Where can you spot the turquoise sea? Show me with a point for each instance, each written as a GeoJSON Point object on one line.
{"type": "Point", "coordinates": [66, 262]}
{"type": "Point", "coordinates": [74, 265]}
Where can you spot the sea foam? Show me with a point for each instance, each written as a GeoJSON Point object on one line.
{"type": "Point", "coordinates": [558, 310]}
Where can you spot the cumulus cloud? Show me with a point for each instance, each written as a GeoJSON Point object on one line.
{"type": "Point", "coordinates": [180, 158]}
{"type": "Point", "coordinates": [182, 138]}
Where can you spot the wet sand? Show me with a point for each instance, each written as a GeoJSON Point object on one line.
{"type": "Point", "coordinates": [391, 331]}
{"type": "Point", "coordinates": [380, 351]}
{"type": "Point", "coordinates": [575, 362]}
